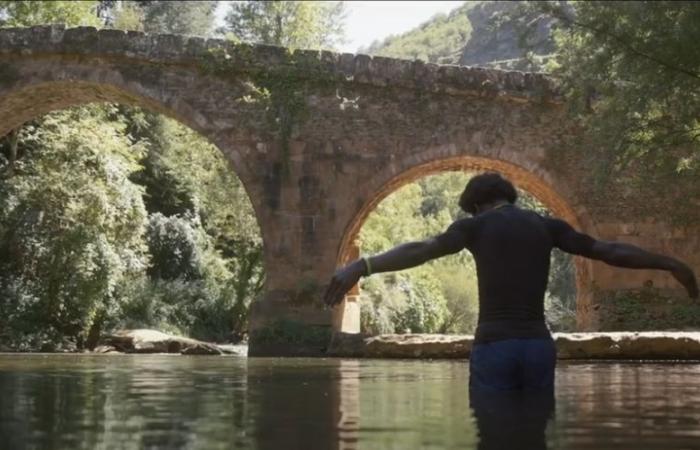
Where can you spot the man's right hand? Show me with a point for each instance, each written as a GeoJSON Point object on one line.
{"type": "Point", "coordinates": [343, 280]}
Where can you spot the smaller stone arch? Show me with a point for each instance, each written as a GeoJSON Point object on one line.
{"type": "Point", "coordinates": [44, 83]}
{"type": "Point", "coordinates": [42, 91]}
{"type": "Point", "coordinates": [346, 319]}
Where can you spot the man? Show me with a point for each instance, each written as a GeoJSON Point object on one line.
{"type": "Point", "coordinates": [513, 349]}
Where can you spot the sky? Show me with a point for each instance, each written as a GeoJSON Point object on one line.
{"type": "Point", "coordinates": [367, 21]}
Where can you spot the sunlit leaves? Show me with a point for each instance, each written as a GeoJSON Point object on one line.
{"type": "Point", "coordinates": [307, 25]}
{"type": "Point", "coordinates": [25, 13]}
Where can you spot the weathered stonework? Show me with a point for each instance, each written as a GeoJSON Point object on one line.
{"type": "Point", "coordinates": [319, 138]}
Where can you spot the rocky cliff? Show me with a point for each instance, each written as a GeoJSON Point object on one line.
{"type": "Point", "coordinates": [507, 35]}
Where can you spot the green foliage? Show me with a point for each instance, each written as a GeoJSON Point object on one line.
{"type": "Point", "coordinates": [71, 224]}
{"type": "Point", "coordinates": [286, 23]}
{"type": "Point", "coordinates": [188, 178]}
{"type": "Point", "coordinates": [417, 300]}
{"type": "Point", "coordinates": [289, 332]}
{"type": "Point", "coordinates": [196, 270]}
{"type": "Point", "coordinates": [648, 309]}
{"type": "Point", "coordinates": [175, 244]}
{"type": "Point", "coordinates": [438, 40]}
{"type": "Point", "coordinates": [632, 71]}
{"type": "Point", "coordinates": [27, 13]}
{"type": "Point", "coordinates": [202, 308]}
{"type": "Point", "coordinates": [194, 18]}
{"type": "Point", "coordinates": [127, 16]}
{"type": "Point", "coordinates": [180, 17]}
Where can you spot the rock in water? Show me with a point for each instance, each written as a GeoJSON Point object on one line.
{"type": "Point", "coordinates": [152, 341]}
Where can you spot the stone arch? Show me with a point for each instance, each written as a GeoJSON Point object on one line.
{"type": "Point", "coordinates": [347, 317]}
{"type": "Point", "coordinates": [34, 86]}
{"type": "Point", "coordinates": [39, 85]}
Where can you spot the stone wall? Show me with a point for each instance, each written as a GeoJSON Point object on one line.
{"type": "Point", "coordinates": [318, 138]}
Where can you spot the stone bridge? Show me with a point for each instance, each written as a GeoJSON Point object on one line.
{"type": "Point", "coordinates": [319, 138]}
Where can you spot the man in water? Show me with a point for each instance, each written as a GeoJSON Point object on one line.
{"type": "Point", "coordinates": [513, 349]}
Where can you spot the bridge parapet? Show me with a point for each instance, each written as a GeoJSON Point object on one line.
{"type": "Point", "coordinates": [245, 58]}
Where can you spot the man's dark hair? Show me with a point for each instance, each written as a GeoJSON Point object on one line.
{"type": "Point", "coordinates": [486, 188]}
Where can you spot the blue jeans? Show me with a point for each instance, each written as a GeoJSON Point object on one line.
{"type": "Point", "coordinates": [513, 364]}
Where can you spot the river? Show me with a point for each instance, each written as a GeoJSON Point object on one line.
{"type": "Point", "coordinates": [179, 402]}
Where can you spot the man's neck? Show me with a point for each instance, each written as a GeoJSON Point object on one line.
{"type": "Point", "coordinates": [494, 205]}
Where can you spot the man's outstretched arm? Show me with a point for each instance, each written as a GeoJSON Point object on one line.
{"type": "Point", "coordinates": [402, 257]}
{"type": "Point", "coordinates": [622, 255]}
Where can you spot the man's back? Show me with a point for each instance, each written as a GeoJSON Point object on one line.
{"type": "Point", "coordinates": [511, 247]}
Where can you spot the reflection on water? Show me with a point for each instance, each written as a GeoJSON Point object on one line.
{"type": "Point", "coordinates": [512, 420]}
{"type": "Point", "coordinates": [177, 402]}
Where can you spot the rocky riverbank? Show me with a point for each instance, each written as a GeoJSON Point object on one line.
{"type": "Point", "coordinates": [611, 346]}
{"type": "Point", "coordinates": [656, 345]}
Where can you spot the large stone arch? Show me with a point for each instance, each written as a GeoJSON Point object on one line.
{"type": "Point", "coordinates": [32, 85]}
{"type": "Point", "coordinates": [46, 84]}
{"type": "Point", "coordinates": [536, 181]}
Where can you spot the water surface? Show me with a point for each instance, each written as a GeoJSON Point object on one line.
{"type": "Point", "coordinates": [179, 402]}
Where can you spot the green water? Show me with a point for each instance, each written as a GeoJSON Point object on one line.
{"type": "Point", "coordinates": [179, 402]}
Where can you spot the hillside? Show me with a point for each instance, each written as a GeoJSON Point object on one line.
{"type": "Point", "coordinates": [438, 40]}
{"type": "Point", "coordinates": [480, 33]}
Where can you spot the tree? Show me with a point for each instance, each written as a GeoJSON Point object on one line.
{"type": "Point", "coordinates": [71, 227]}
{"type": "Point", "coordinates": [286, 23]}
{"type": "Point", "coordinates": [27, 13]}
{"type": "Point", "coordinates": [633, 69]}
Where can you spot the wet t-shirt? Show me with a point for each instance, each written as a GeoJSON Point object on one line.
{"type": "Point", "coordinates": [511, 248]}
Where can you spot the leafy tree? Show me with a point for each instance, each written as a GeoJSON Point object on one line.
{"type": "Point", "coordinates": [190, 289]}
{"type": "Point", "coordinates": [185, 175]}
{"type": "Point", "coordinates": [633, 72]}
{"type": "Point", "coordinates": [71, 226]}
{"type": "Point", "coordinates": [411, 300]}
{"type": "Point", "coordinates": [157, 16]}
{"type": "Point", "coordinates": [128, 16]}
{"type": "Point", "coordinates": [181, 17]}
{"type": "Point", "coordinates": [25, 13]}
{"type": "Point", "coordinates": [286, 23]}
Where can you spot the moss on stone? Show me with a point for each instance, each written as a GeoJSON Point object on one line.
{"type": "Point", "coordinates": [647, 309]}
{"type": "Point", "coordinates": [9, 75]}
{"type": "Point", "coordinates": [293, 333]}
{"type": "Point", "coordinates": [282, 89]}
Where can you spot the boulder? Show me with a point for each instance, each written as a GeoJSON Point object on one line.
{"type": "Point", "coordinates": [105, 349]}
{"type": "Point", "coordinates": [152, 341]}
